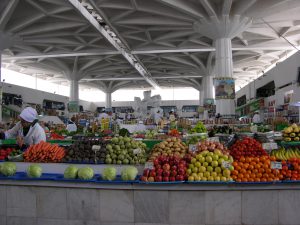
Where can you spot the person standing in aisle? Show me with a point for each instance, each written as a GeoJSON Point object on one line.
{"type": "Point", "coordinates": [72, 127]}
{"type": "Point", "coordinates": [157, 117]}
{"type": "Point", "coordinates": [256, 118]}
{"type": "Point", "coordinates": [103, 115]}
{"type": "Point", "coordinates": [27, 131]}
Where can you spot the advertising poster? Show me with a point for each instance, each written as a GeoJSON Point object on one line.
{"type": "Point", "coordinates": [288, 96]}
{"type": "Point", "coordinates": [224, 88]}
{"type": "Point", "coordinates": [73, 107]}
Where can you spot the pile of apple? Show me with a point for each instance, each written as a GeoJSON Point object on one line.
{"type": "Point", "coordinates": [170, 147]}
{"type": "Point", "coordinates": [247, 147]}
{"type": "Point", "coordinates": [211, 146]}
{"type": "Point", "coordinates": [210, 166]}
{"type": "Point", "coordinates": [166, 169]}
{"type": "Point", "coordinates": [291, 169]}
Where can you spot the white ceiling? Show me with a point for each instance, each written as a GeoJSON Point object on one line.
{"type": "Point", "coordinates": [54, 38]}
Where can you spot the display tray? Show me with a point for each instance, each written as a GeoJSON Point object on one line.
{"type": "Point", "coordinates": [291, 181]}
{"type": "Point", "coordinates": [23, 176]}
{"type": "Point", "coordinates": [160, 183]}
{"type": "Point", "coordinates": [259, 183]}
{"type": "Point", "coordinates": [210, 182]}
{"type": "Point", "coordinates": [118, 180]}
{"type": "Point", "coordinates": [60, 177]}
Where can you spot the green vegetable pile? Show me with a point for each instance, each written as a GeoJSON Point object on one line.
{"type": "Point", "coordinates": [199, 128]}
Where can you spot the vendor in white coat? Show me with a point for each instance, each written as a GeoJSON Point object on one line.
{"type": "Point", "coordinates": [27, 131]}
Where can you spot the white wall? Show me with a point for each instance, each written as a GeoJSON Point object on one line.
{"type": "Point", "coordinates": [285, 72]}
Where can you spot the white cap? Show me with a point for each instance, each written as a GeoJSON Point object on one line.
{"type": "Point", "coordinates": [29, 114]}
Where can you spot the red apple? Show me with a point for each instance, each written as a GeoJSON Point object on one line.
{"type": "Point", "coordinates": [181, 166]}
{"type": "Point", "coordinates": [181, 171]}
{"type": "Point", "coordinates": [155, 162]}
{"type": "Point", "coordinates": [166, 179]}
{"type": "Point", "coordinates": [152, 173]}
{"type": "Point", "coordinates": [146, 172]}
{"type": "Point", "coordinates": [158, 179]}
{"type": "Point", "coordinates": [171, 179]}
{"type": "Point", "coordinates": [174, 167]}
{"type": "Point", "coordinates": [166, 173]}
{"type": "Point", "coordinates": [174, 173]}
{"type": "Point", "coordinates": [166, 166]}
{"type": "Point", "coordinates": [158, 167]}
{"type": "Point", "coordinates": [159, 172]}
{"type": "Point", "coordinates": [179, 178]}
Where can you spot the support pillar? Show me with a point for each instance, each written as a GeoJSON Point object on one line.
{"type": "Point", "coordinates": [108, 100]}
{"type": "Point", "coordinates": [224, 68]}
{"type": "Point", "coordinates": [1, 87]}
{"type": "Point", "coordinates": [74, 91]}
{"type": "Point", "coordinates": [208, 87]}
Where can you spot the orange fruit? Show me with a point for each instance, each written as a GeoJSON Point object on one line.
{"type": "Point", "coordinates": [242, 159]}
{"type": "Point", "coordinates": [245, 180]}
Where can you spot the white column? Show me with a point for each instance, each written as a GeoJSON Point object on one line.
{"type": "Point", "coordinates": [108, 100]}
{"type": "Point", "coordinates": [74, 90]}
{"type": "Point", "coordinates": [224, 68]}
{"type": "Point", "coordinates": [207, 87]}
{"type": "Point", "coordinates": [1, 87]}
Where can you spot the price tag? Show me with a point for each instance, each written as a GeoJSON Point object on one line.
{"type": "Point", "coordinates": [270, 146]}
{"type": "Point", "coordinates": [276, 165]}
{"type": "Point", "coordinates": [96, 147]}
{"type": "Point", "coordinates": [214, 139]}
{"type": "Point", "coordinates": [192, 147]}
{"type": "Point", "coordinates": [149, 165]}
{"type": "Point", "coordinates": [137, 151]}
{"type": "Point", "coordinates": [226, 164]}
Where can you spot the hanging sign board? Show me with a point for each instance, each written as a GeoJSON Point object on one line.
{"type": "Point", "coordinates": [73, 107]}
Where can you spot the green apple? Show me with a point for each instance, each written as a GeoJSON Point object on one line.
{"type": "Point", "coordinates": [226, 173]}
{"type": "Point", "coordinates": [200, 175]}
{"type": "Point", "coordinates": [230, 159]}
{"type": "Point", "coordinates": [225, 157]}
{"type": "Point", "coordinates": [195, 170]}
{"type": "Point", "coordinates": [210, 154]}
{"type": "Point", "coordinates": [201, 159]}
{"type": "Point", "coordinates": [218, 152]}
{"type": "Point", "coordinates": [215, 157]}
{"type": "Point", "coordinates": [205, 164]}
{"type": "Point", "coordinates": [193, 160]}
{"type": "Point", "coordinates": [210, 178]}
{"type": "Point", "coordinates": [209, 169]}
{"type": "Point", "coordinates": [204, 153]}
{"type": "Point", "coordinates": [208, 159]}
{"type": "Point", "coordinates": [214, 163]}
{"type": "Point", "coordinates": [217, 178]}
{"type": "Point", "coordinates": [202, 169]}
{"type": "Point", "coordinates": [224, 179]}
{"type": "Point", "coordinates": [197, 178]}
{"type": "Point", "coordinates": [218, 169]}
{"type": "Point", "coordinates": [213, 174]}
{"type": "Point", "coordinates": [191, 166]}
{"type": "Point", "coordinates": [188, 171]}
{"type": "Point", "coordinates": [198, 156]}
{"type": "Point", "coordinates": [231, 168]}
{"type": "Point", "coordinates": [197, 164]}
{"type": "Point", "coordinates": [194, 174]}
{"type": "Point", "coordinates": [220, 161]}
{"type": "Point", "coordinates": [191, 178]}
{"type": "Point", "coordinates": [206, 174]}
{"type": "Point", "coordinates": [204, 178]}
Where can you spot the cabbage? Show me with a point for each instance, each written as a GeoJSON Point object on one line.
{"type": "Point", "coordinates": [34, 170]}
{"type": "Point", "coordinates": [71, 172]}
{"type": "Point", "coordinates": [109, 173]}
{"type": "Point", "coordinates": [8, 169]}
{"type": "Point", "coordinates": [85, 173]}
{"type": "Point", "coordinates": [129, 173]}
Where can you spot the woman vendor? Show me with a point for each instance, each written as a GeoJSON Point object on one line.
{"type": "Point", "coordinates": [27, 131]}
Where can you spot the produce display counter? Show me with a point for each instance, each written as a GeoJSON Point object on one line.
{"type": "Point", "coordinates": [47, 202]}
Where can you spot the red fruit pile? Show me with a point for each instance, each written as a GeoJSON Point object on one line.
{"type": "Point", "coordinates": [166, 169]}
{"type": "Point", "coordinates": [247, 147]}
{"type": "Point", "coordinates": [5, 152]}
{"type": "Point", "coordinates": [291, 169]}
